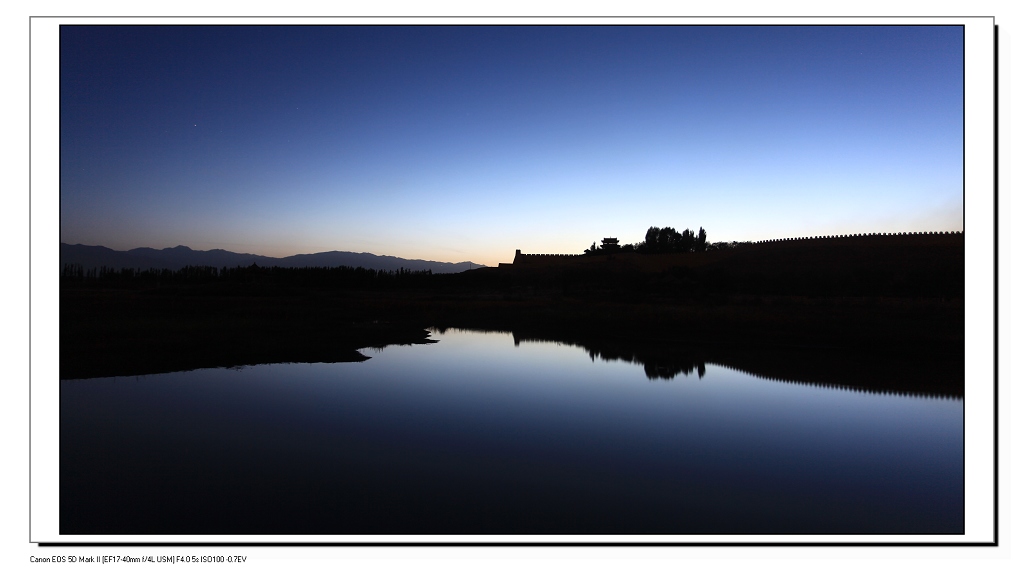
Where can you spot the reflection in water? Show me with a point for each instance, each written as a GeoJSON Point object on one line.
{"type": "Point", "coordinates": [937, 375]}
{"type": "Point", "coordinates": [662, 367]}
{"type": "Point", "coordinates": [473, 435]}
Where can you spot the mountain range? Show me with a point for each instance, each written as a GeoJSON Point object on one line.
{"type": "Point", "coordinates": [180, 256]}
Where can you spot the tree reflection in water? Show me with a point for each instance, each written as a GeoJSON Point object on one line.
{"type": "Point", "coordinates": [933, 374]}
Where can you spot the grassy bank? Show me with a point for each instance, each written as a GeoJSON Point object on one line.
{"type": "Point", "coordinates": [126, 331]}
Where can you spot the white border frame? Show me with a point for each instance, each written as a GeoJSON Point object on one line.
{"type": "Point", "coordinates": [979, 405]}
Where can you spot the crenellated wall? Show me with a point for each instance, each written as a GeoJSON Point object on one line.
{"type": "Point", "coordinates": [867, 235]}
{"type": "Point", "coordinates": [645, 261]}
{"type": "Point", "coordinates": [542, 259]}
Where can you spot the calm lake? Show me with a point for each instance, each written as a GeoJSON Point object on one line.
{"type": "Point", "coordinates": [479, 433]}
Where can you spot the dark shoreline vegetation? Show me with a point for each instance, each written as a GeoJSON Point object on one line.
{"type": "Point", "coordinates": [860, 312]}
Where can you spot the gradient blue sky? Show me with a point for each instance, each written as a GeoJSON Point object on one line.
{"type": "Point", "coordinates": [465, 143]}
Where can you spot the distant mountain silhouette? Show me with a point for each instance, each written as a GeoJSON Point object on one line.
{"type": "Point", "coordinates": [180, 256]}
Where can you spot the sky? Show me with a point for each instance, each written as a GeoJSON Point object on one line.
{"type": "Point", "coordinates": [456, 143]}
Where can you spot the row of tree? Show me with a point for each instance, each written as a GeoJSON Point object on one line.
{"type": "Point", "coordinates": [658, 241]}
{"type": "Point", "coordinates": [310, 276]}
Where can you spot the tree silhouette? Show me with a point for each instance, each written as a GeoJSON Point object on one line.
{"type": "Point", "coordinates": [657, 241]}
{"type": "Point", "coordinates": [651, 239]}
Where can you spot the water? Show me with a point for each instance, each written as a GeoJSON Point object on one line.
{"type": "Point", "coordinates": [479, 434]}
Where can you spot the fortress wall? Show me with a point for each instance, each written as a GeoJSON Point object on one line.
{"type": "Point", "coordinates": [543, 259]}
{"type": "Point", "coordinates": [872, 238]}
{"type": "Point", "coordinates": [653, 262]}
